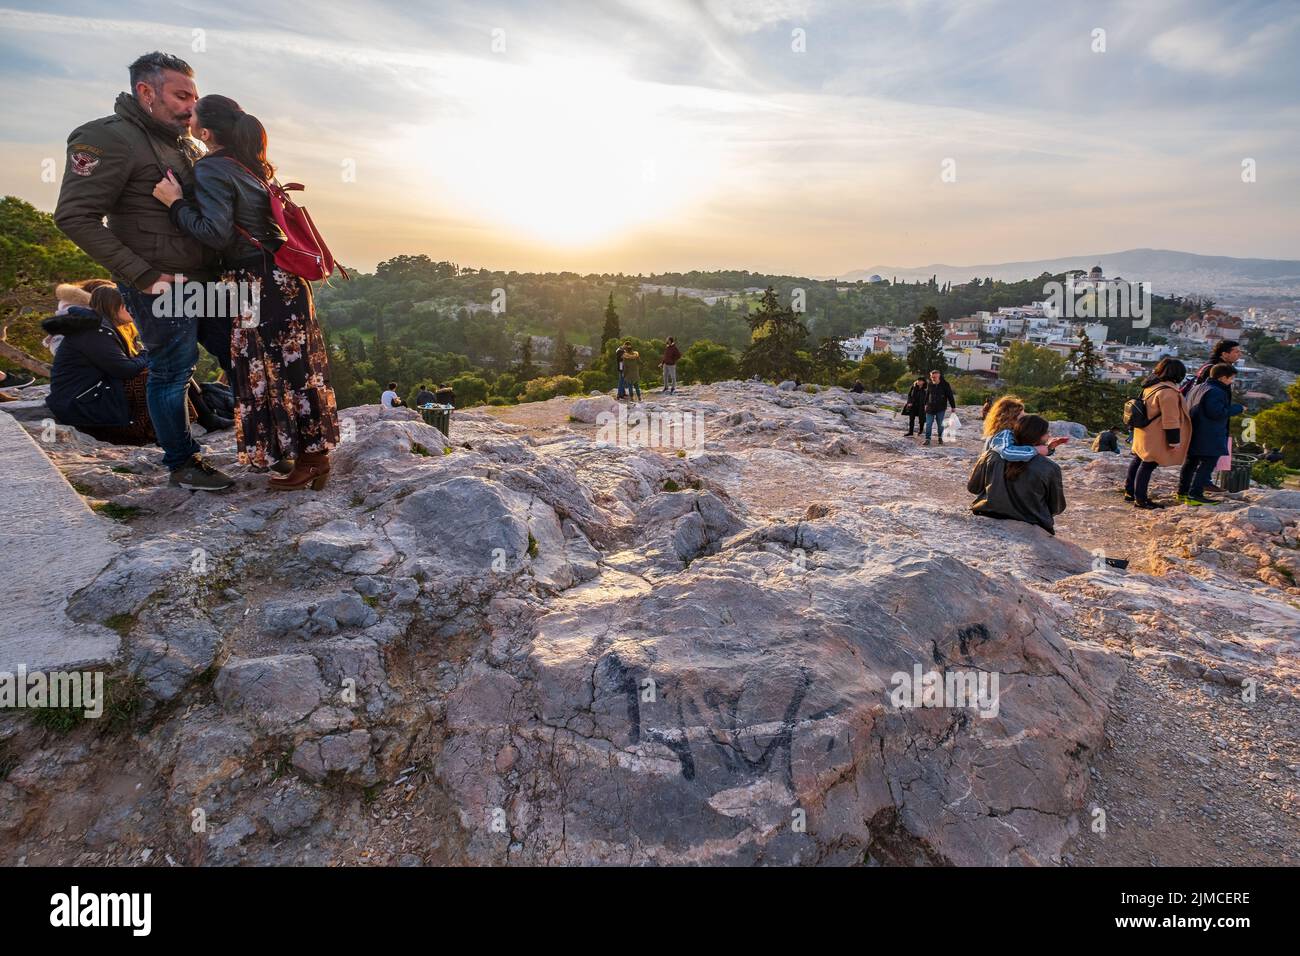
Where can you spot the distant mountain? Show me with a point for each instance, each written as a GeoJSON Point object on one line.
{"type": "Point", "coordinates": [1169, 272]}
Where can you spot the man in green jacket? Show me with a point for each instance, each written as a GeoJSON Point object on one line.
{"type": "Point", "coordinates": [113, 165]}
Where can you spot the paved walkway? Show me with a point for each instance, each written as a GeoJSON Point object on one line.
{"type": "Point", "coordinates": [51, 545]}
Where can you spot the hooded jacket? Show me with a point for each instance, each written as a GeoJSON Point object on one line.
{"type": "Point", "coordinates": [1036, 496]}
{"type": "Point", "coordinates": [112, 168]}
{"type": "Point", "coordinates": [672, 354]}
{"type": "Point", "coordinates": [1211, 407]}
{"type": "Point", "coordinates": [90, 369]}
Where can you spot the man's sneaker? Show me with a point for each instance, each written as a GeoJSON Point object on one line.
{"type": "Point", "coordinates": [1148, 505]}
{"type": "Point", "coordinates": [1211, 486]}
{"type": "Point", "coordinates": [1197, 502]}
{"type": "Point", "coordinates": [940, 439]}
{"type": "Point", "coordinates": [926, 442]}
{"type": "Point", "coordinates": [1128, 496]}
{"type": "Point", "coordinates": [1180, 498]}
{"type": "Point", "coordinates": [198, 475]}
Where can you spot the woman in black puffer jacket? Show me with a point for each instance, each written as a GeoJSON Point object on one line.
{"type": "Point", "coordinates": [96, 385]}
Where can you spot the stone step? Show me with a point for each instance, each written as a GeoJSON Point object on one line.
{"type": "Point", "coordinates": [51, 546]}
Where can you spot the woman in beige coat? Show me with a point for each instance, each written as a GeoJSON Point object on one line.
{"type": "Point", "coordinates": [1165, 440]}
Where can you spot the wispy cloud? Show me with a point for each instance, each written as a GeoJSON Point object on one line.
{"type": "Point", "coordinates": [649, 134]}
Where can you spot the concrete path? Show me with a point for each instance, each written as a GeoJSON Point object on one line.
{"type": "Point", "coordinates": [51, 546]}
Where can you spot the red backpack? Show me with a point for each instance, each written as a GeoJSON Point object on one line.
{"type": "Point", "coordinates": [304, 252]}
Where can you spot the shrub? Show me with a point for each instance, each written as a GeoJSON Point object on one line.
{"type": "Point", "coordinates": [593, 379]}
{"type": "Point", "coordinates": [540, 389]}
{"type": "Point", "coordinates": [469, 389]}
{"type": "Point", "coordinates": [1270, 473]}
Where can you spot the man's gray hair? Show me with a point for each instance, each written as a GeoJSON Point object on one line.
{"type": "Point", "coordinates": [149, 69]}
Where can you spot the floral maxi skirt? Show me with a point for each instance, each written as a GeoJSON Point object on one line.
{"type": "Point", "coordinates": [284, 403]}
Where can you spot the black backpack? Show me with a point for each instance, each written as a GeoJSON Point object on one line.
{"type": "Point", "coordinates": [1135, 413]}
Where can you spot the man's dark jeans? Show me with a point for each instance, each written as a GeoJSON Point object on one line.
{"type": "Point", "coordinates": [173, 348]}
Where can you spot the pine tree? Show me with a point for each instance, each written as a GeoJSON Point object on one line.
{"type": "Point", "coordinates": [926, 353]}
{"type": "Point", "coordinates": [1086, 398]}
{"type": "Point", "coordinates": [526, 370]}
{"type": "Point", "coordinates": [566, 356]}
{"type": "Point", "coordinates": [611, 332]}
{"type": "Point", "coordinates": [777, 336]}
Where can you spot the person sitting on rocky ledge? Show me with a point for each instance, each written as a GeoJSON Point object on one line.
{"type": "Point", "coordinates": [96, 385]}
{"type": "Point", "coordinates": [999, 435]}
{"type": "Point", "coordinates": [1029, 490]}
{"type": "Point", "coordinates": [390, 399]}
{"type": "Point", "coordinates": [1108, 439]}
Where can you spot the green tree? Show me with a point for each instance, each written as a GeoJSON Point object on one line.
{"type": "Point", "coordinates": [566, 356]}
{"type": "Point", "coordinates": [1085, 398]}
{"type": "Point", "coordinates": [1028, 366]}
{"type": "Point", "coordinates": [828, 360]}
{"type": "Point", "coordinates": [526, 369]}
{"type": "Point", "coordinates": [469, 389]}
{"type": "Point", "coordinates": [611, 332]}
{"type": "Point", "coordinates": [777, 336]}
{"type": "Point", "coordinates": [706, 362]}
{"type": "Point", "coordinates": [1279, 426]}
{"type": "Point", "coordinates": [926, 353]}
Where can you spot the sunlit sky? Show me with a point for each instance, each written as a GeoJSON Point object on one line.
{"type": "Point", "coordinates": [650, 135]}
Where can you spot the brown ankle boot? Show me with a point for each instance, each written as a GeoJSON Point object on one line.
{"type": "Point", "coordinates": [310, 468]}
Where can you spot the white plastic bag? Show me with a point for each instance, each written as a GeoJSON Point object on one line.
{"type": "Point", "coordinates": [952, 423]}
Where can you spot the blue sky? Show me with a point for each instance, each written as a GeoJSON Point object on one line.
{"type": "Point", "coordinates": [661, 134]}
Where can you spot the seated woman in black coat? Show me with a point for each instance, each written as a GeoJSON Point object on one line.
{"type": "Point", "coordinates": [1029, 491]}
{"type": "Point", "coordinates": [96, 385]}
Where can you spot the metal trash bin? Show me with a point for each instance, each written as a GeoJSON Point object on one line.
{"type": "Point", "coordinates": [439, 416]}
{"type": "Point", "coordinates": [1238, 479]}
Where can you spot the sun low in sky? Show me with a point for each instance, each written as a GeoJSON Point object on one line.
{"type": "Point", "coordinates": [789, 136]}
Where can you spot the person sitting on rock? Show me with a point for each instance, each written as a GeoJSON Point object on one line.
{"type": "Point", "coordinates": [1029, 490]}
{"type": "Point", "coordinates": [390, 398]}
{"type": "Point", "coordinates": [999, 436]}
{"type": "Point", "coordinates": [858, 387]}
{"type": "Point", "coordinates": [68, 294]}
{"type": "Point", "coordinates": [424, 397]}
{"type": "Point", "coordinates": [97, 385]}
{"type": "Point", "coordinates": [1107, 439]}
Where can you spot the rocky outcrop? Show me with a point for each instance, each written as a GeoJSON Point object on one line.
{"type": "Point", "coordinates": [524, 645]}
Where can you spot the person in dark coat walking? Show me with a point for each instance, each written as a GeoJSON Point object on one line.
{"type": "Point", "coordinates": [1211, 407]}
{"type": "Point", "coordinates": [96, 385]}
{"type": "Point", "coordinates": [938, 397]}
{"type": "Point", "coordinates": [1029, 491]}
{"type": "Point", "coordinates": [914, 407]}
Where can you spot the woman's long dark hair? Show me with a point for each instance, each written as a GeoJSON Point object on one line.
{"type": "Point", "coordinates": [1029, 430]}
{"type": "Point", "coordinates": [240, 134]}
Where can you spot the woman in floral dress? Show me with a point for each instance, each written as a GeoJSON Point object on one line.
{"type": "Point", "coordinates": [285, 405]}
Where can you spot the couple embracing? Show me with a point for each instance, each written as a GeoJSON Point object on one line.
{"type": "Point", "coordinates": [172, 188]}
